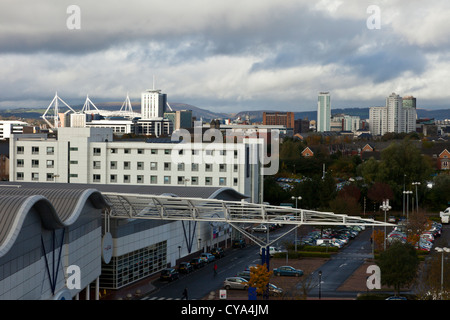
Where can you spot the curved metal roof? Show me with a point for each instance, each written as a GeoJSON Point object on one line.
{"type": "Point", "coordinates": [56, 207]}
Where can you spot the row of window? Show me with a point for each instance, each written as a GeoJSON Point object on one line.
{"type": "Point", "coordinates": [126, 165]}
{"type": "Point", "coordinates": [126, 178]}
{"type": "Point", "coordinates": [97, 151]}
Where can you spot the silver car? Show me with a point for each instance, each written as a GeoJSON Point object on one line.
{"type": "Point", "coordinates": [235, 283]}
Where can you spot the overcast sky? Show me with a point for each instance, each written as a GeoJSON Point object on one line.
{"type": "Point", "coordinates": [225, 55]}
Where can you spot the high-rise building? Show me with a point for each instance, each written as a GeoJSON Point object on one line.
{"type": "Point", "coordinates": [399, 115]}
{"type": "Point", "coordinates": [410, 113]}
{"type": "Point", "coordinates": [323, 112]}
{"type": "Point", "coordinates": [153, 104]}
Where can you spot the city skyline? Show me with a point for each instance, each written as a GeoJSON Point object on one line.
{"type": "Point", "coordinates": [226, 57]}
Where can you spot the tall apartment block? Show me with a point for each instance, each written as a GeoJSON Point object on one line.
{"type": "Point", "coordinates": [399, 115]}
{"type": "Point", "coordinates": [323, 112]}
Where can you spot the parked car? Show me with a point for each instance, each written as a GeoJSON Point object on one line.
{"type": "Point", "coordinates": [238, 243]}
{"type": "Point", "coordinates": [197, 263]}
{"type": "Point", "coordinates": [272, 251]}
{"type": "Point", "coordinates": [235, 283]}
{"type": "Point", "coordinates": [287, 271]}
{"type": "Point", "coordinates": [244, 274]}
{"type": "Point", "coordinates": [185, 267]}
{"type": "Point", "coordinates": [260, 228]}
{"type": "Point", "coordinates": [169, 274]}
{"type": "Point", "coordinates": [274, 290]}
{"type": "Point", "coordinates": [218, 252]}
{"type": "Point", "coordinates": [207, 257]}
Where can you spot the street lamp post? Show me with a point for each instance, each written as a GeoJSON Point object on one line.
{"type": "Point", "coordinates": [296, 198]}
{"type": "Point", "coordinates": [442, 250]}
{"type": "Point", "coordinates": [417, 196]}
{"type": "Point", "coordinates": [407, 203]}
{"type": "Point", "coordinates": [385, 207]}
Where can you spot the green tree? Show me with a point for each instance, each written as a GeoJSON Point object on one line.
{"type": "Point", "coordinates": [398, 265]}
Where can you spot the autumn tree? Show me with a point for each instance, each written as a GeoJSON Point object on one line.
{"type": "Point", "coordinates": [259, 278]}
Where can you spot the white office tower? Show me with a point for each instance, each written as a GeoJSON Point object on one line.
{"type": "Point", "coordinates": [323, 112]}
{"type": "Point", "coordinates": [153, 104]}
{"type": "Point", "coordinates": [395, 115]}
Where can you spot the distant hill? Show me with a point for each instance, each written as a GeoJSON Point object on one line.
{"type": "Point", "coordinates": [363, 113]}
{"type": "Point", "coordinates": [206, 115]}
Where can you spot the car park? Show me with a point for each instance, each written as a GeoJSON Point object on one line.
{"type": "Point", "coordinates": [169, 274]}
{"type": "Point", "coordinates": [197, 263]}
{"type": "Point", "coordinates": [287, 271]}
{"type": "Point", "coordinates": [185, 267]}
{"type": "Point", "coordinates": [235, 283]}
{"type": "Point", "coordinates": [207, 257]}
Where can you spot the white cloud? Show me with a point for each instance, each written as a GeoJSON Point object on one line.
{"type": "Point", "coordinates": [225, 54]}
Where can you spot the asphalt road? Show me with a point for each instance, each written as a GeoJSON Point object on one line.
{"type": "Point", "coordinates": [341, 266]}
{"type": "Point", "coordinates": [201, 282]}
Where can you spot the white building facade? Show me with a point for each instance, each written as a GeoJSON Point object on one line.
{"type": "Point", "coordinates": [399, 115]}
{"type": "Point", "coordinates": [324, 112]}
{"type": "Point", "coordinates": [90, 156]}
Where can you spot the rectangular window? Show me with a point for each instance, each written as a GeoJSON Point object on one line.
{"type": "Point", "coordinates": [180, 180]}
{"type": "Point", "coordinates": [140, 151]}
{"type": "Point", "coordinates": [127, 151]}
{"type": "Point", "coordinates": [96, 177]}
{"type": "Point", "coordinates": [222, 167]}
{"type": "Point", "coordinates": [194, 181]}
{"type": "Point", "coordinates": [208, 181]}
{"type": "Point", "coordinates": [153, 165]}
{"type": "Point", "coordinates": [167, 166]}
{"type": "Point", "coordinates": [235, 181]}
{"type": "Point", "coordinates": [97, 151]}
{"type": "Point", "coordinates": [140, 166]}
{"type": "Point", "coordinates": [208, 167]}
{"type": "Point", "coordinates": [35, 163]}
{"type": "Point", "coordinates": [126, 165]}
{"type": "Point", "coordinates": [154, 151]}
{"type": "Point", "coordinates": [20, 150]}
{"type": "Point", "coordinates": [35, 150]}
{"type": "Point", "coordinates": [113, 165]}
{"type": "Point", "coordinates": [73, 149]}
{"type": "Point", "coordinates": [50, 150]}
{"type": "Point", "coordinates": [97, 165]}
{"type": "Point", "coordinates": [19, 175]}
{"type": "Point", "coordinates": [140, 179]}
{"type": "Point", "coordinates": [166, 179]}
{"type": "Point", "coordinates": [50, 176]}
{"type": "Point", "coordinates": [194, 167]}
{"type": "Point", "coordinates": [50, 163]}
{"type": "Point", "coordinates": [73, 161]}
{"type": "Point", "coordinates": [35, 176]}
{"type": "Point", "coordinates": [181, 167]}
{"type": "Point", "coordinates": [167, 151]}
{"type": "Point", "coordinates": [153, 179]}
{"type": "Point", "coordinates": [113, 150]}
{"type": "Point", "coordinates": [20, 162]}
{"type": "Point", "coordinates": [222, 181]}
{"type": "Point", "coordinates": [113, 178]}
{"type": "Point", "coordinates": [126, 178]}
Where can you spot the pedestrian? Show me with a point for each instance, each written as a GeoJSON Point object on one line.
{"type": "Point", "coordinates": [215, 269]}
{"type": "Point", "coordinates": [185, 294]}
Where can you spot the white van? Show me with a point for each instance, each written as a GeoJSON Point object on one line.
{"type": "Point", "coordinates": [445, 215]}
{"type": "Point", "coordinates": [272, 251]}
